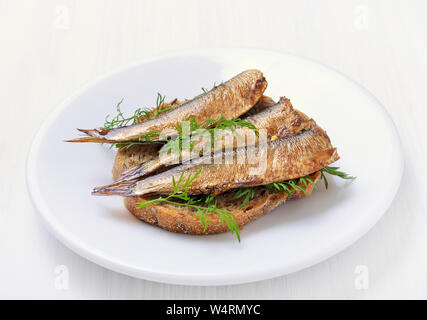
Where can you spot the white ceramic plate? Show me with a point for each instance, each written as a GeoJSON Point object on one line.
{"type": "Point", "coordinates": [297, 235]}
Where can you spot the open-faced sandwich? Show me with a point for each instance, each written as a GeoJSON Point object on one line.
{"type": "Point", "coordinates": [215, 162]}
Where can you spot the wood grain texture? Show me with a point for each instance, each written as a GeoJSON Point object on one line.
{"type": "Point", "coordinates": [51, 48]}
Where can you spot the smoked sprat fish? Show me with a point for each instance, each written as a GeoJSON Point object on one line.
{"type": "Point", "coordinates": [288, 157]}
{"type": "Point", "coordinates": [230, 99]}
{"type": "Point", "coordinates": [278, 119]}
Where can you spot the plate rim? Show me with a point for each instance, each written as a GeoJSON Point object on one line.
{"type": "Point", "coordinates": [78, 247]}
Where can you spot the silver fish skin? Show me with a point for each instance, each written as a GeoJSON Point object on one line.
{"type": "Point", "coordinates": [289, 157]}
{"type": "Point", "coordinates": [231, 99]}
{"type": "Point", "coordinates": [279, 119]}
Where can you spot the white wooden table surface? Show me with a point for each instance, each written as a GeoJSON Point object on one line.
{"type": "Point", "coordinates": [51, 48]}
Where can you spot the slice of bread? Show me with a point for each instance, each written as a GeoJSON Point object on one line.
{"type": "Point", "coordinates": [183, 220]}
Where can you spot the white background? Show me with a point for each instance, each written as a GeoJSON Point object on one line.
{"type": "Point", "coordinates": [51, 48]}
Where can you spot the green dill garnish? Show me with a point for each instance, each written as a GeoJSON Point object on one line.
{"type": "Point", "coordinates": [291, 185]}
{"type": "Point", "coordinates": [288, 186]}
{"type": "Point", "coordinates": [334, 171]}
{"type": "Point", "coordinates": [205, 90]}
{"type": "Point", "coordinates": [248, 193]}
{"type": "Point", "coordinates": [139, 115]}
{"type": "Point", "coordinates": [142, 139]}
{"type": "Point", "coordinates": [120, 120]}
{"type": "Point", "coordinates": [176, 144]}
{"type": "Point", "coordinates": [203, 204]}
{"type": "Point", "coordinates": [301, 184]}
{"type": "Point", "coordinates": [224, 124]}
{"type": "Point", "coordinates": [160, 106]}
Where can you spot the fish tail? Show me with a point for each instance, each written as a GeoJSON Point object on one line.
{"type": "Point", "coordinates": [139, 171]}
{"type": "Point", "coordinates": [90, 139]}
{"type": "Point", "coordinates": [95, 135]}
{"type": "Point", "coordinates": [87, 131]}
{"type": "Point", "coordinates": [120, 189]}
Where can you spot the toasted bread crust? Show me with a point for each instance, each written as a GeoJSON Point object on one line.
{"type": "Point", "coordinates": [184, 220]}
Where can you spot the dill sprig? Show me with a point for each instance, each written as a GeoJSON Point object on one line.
{"type": "Point", "coordinates": [160, 107]}
{"type": "Point", "coordinates": [120, 120]}
{"type": "Point", "coordinates": [203, 204]}
{"type": "Point", "coordinates": [224, 124]}
{"type": "Point", "coordinates": [176, 143]}
{"type": "Point", "coordinates": [205, 90]}
{"type": "Point", "coordinates": [334, 172]}
{"type": "Point", "coordinates": [291, 185]}
{"type": "Point", "coordinates": [206, 204]}
{"type": "Point", "coordinates": [247, 193]}
{"type": "Point", "coordinates": [146, 138]}
{"type": "Point", "coordinates": [139, 114]}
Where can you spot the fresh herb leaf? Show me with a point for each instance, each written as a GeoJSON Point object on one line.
{"type": "Point", "coordinates": [203, 204]}
{"type": "Point", "coordinates": [335, 172]}
{"type": "Point", "coordinates": [139, 115]}
{"type": "Point", "coordinates": [160, 106]}
{"type": "Point", "coordinates": [291, 185]}
{"type": "Point", "coordinates": [288, 185]}
{"type": "Point", "coordinates": [323, 177]}
{"type": "Point", "coordinates": [176, 144]}
{"type": "Point", "coordinates": [247, 193]}
{"type": "Point", "coordinates": [302, 183]}
{"type": "Point", "coordinates": [120, 120]}
{"type": "Point", "coordinates": [205, 90]}
{"type": "Point", "coordinates": [311, 182]}
{"type": "Point", "coordinates": [146, 138]}
{"type": "Point", "coordinates": [224, 124]}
